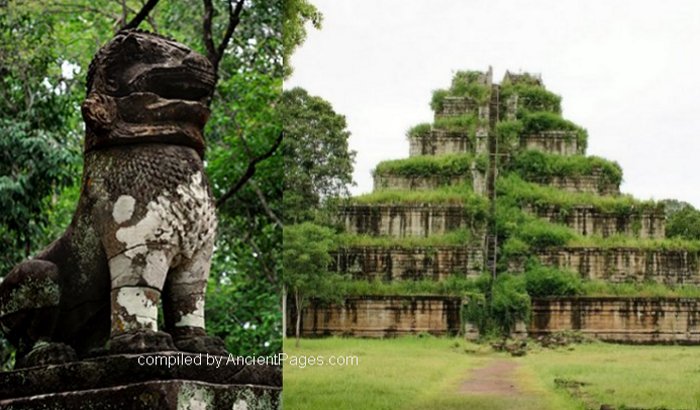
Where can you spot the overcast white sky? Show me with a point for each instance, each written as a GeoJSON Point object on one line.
{"type": "Point", "coordinates": [628, 71]}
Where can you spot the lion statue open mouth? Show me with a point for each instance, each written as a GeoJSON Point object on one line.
{"type": "Point", "coordinates": [144, 228]}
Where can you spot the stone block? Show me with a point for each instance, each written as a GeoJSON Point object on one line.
{"type": "Point", "coordinates": [640, 320]}
{"type": "Point", "coordinates": [384, 316]}
{"type": "Point", "coordinates": [163, 380]}
{"type": "Point", "coordinates": [397, 263]}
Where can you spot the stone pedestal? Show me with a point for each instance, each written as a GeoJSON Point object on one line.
{"type": "Point", "coordinates": [166, 380]}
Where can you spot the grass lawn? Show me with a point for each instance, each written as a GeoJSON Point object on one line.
{"type": "Point", "coordinates": [430, 373]}
{"type": "Point", "coordinates": [403, 373]}
{"type": "Point", "coordinates": [633, 376]}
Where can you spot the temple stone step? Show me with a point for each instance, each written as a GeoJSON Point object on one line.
{"type": "Point", "coordinates": [398, 263]}
{"type": "Point", "coordinates": [383, 316]}
{"type": "Point", "coordinates": [620, 319]}
{"type": "Point", "coordinates": [408, 220]}
{"type": "Point", "coordinates": [441, 142]}
{"type": "Point", "coordinates": [553, 142]}
{"type": "Point", "coordinates": [587, 220]}
{"type": "Point", "coordinates": [595, 183]}
{"type": "Point", "coordinates": [624, 264]}
{"type": "Point", "coordinates": [474, 177]}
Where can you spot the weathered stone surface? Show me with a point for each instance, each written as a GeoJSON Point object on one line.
{"type": "Point", "coordinates": [587, 220]}
{"type": "Point", "coordinates": [384, 316]}
{"type": "Point", "coordinates": [436, 263]}
{"type": "Point", "coordinates": [115, 370]}
{"type": "Point", "coordinates": [454, 106]}
{"type": "Point", "coordinates": [406, 220]}
{"type": "Point", "coordinates": [672, 267]}
{"type": "Point", "coordinates": [440, 142]}
{"type": "Point", "coordinates": [553, 142]}
{"type": "Point", "coordinates": [475, 177]}
{"type": "Point", "coordinates": [389, 181]}
{"type": "Point", "coordinates": [162, 395]}
{"type": "Point", "coordinates": [620, 319]}
{"type": "Point", "coordinates": [594, 183]}
{"type": "Point", "coordinates": [162, 380]}
{"type": "Point", "coordinates": [145, 214]}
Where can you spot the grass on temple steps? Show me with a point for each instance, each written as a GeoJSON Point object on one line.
{"type": "Point", "coordinates": [402, 373]}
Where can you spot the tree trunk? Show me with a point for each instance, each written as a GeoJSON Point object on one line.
{"type": "Point", "coordinates": [298, 299]}
{"type": "Point", "coordinates": [284, 312]}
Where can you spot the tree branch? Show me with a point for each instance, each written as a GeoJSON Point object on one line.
{"type": "Point", "coordinates": [208, 38]}
{"type": "Point", "coordinates": [141, 15]}
{"type": "Point", "coordinates": [234, 17]}
{"type": "Point", "coordinates": [265, 205]}
{"type": "Point", "coordinates": [250, 171]}
{"type": "Point", "coordinates": [214, 54]}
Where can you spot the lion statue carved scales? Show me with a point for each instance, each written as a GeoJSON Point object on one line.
{"type": "Point", "coordinates": [145, 223]}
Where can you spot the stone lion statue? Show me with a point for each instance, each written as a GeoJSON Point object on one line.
{"type": "Point", "coordinates": [144, 227]}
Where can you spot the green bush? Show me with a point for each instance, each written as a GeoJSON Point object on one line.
{"type": "Point", "coordinates": [541, 281]}
{"type": "Point", "coordinates": [536, 122]}
{"type": "Point", "coordinates": [539, 234]}
{"type": "Point", "coordinates": [532, 97]}
{"type": "Point", "coordinates": [684, 224]}
{"type": "Point", "coordinates": [619, 241]}
{"type": "Point", "coordinates": [436, 103]}
{"type": "Point", "coordinates": [508, 133]}
{"type": "Point", "coordinates": [537, 166]}
{"type": "Point", "coordinates": [523, 193]}
{"type": "Point", "coordinates": [644, 289]}
{"type": "Point", "coordinates": [452, 238]}
{"type": "Point", "coordinates": [456, 195]}
{"type": "Point", "coordinates": [419, 130]}
{"type": "Point", "coordinates": [470, 84]}
{"type": "Point", "coordinates": [453, 286]}
{"type": "Point", "coordinates": [510, 302]}
{"type": "Point", "coordinates": [447, 166]}
{"type": "Point", "coordinates": [463, 123]}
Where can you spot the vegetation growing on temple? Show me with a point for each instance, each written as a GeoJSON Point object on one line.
{"type": "Point", "coordinates": [444, 166]}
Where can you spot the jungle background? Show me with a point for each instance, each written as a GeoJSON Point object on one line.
{"type": "Point", "coordinates": [45, 50]}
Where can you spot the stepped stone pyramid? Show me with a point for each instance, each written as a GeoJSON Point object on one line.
{"type": "Point", "coordinates": [498, 178]}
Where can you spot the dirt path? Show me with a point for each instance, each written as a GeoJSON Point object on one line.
{"type": "Point", "coordinates": [498, 377]}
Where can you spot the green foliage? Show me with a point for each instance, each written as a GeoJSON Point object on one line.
{"type": "Point", "coordinates": [436, 102]}
{"type": "Point", "coordinates": [531, 97]}
{"type": "Point", "coordinates": [419, 130]}
{"type": "Point", "coordinates": [38, 147]}
{"type": "Point", "coordinates": [241, 305]}
{"type": "Point", "coordinates": [526, 193]}
{"type": "Point", "coordinates": [508, 133]}
{"type": "Point", "coordinates": [475, 205]}
{"type": "Point", "coordinates": [540, 167]}
{"type": "Point", "coordinates": [536, 122]}
{"type": "Point", "coordinates": [541, 281]}
{"type": "Point", "coordinates": [452, 286]}
{"type": "Point", "coordinates": [461, 123]}
{"type": "Point", "coordinates": [541, 234]}
{"type": "Point", "coordinates": [510, 302]}
{"type": "Point", "coordinates": [296, 14]}
{"type": "Point", "coordinates": [451, 238]}
{"type": "Point", "coordinates": [684, 224]}
{"type": "Point", "coordinates": [317, 160]}
{"type": "Point", "coordinates": [639, 289]}
{"type": "Point", "coordinates": [619, 241]}
{"type": "Point", "coordinates": [671, 206]}
{"type": "Point", "coordinates": [443, 166]}
{"type": "Point", "coordinates": [306, 258]}
{"type": "Point", "coordinates": [470, 84]}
